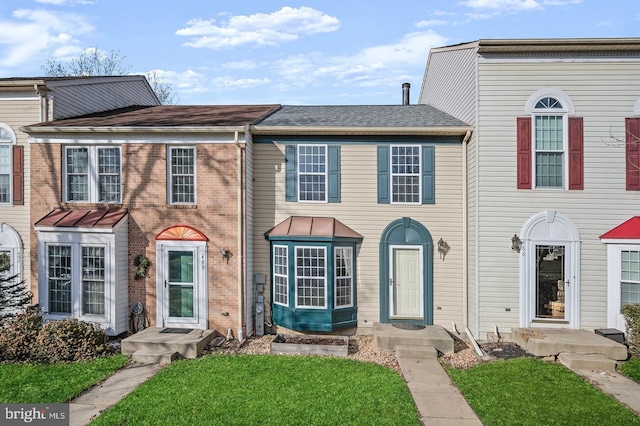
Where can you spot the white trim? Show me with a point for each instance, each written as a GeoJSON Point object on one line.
{"type": "Point", "coordinates": [326, 269]}
{"type": "Point", "coordinates": [200, 290]}
{"type": "Point", "coordinates": [286, 276]}
{"type": "Point", "coordinates": [565, 150]}
{"type": "Point", "coordinates": [614, 278]}
{"type": "Point", "coordinates": [326, 173]}
{"type": "Point", "coordinates": [170, 150]}
{"type": "Point", "coordinates": [392, 248]}
{"type": "Point", "coordinates": [93, 176]}
{"type": "Point", "coordinates": [549, 228]}
{"type": "Point", "coordinates": [551, 92]}
{"type": "Point", "coordinates": [391, 174]}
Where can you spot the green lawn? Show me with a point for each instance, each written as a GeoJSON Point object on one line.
{"type": "Point", "coordinates": [528, 391]}
{"type": "Point", "coordinates": [631, 369]}
{"type": "Point", "coordinates": [267, 390]}
{"type": "Point", "coordinates": [53, 383]}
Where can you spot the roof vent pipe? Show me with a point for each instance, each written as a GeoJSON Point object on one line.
{"type": "Point", "coordinates": [405, 93]}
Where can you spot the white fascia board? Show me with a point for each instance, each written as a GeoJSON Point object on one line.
{"type": "Point", "coordinates": [328, 130]}
{"type": "Point", "coordinates": [620, 241]}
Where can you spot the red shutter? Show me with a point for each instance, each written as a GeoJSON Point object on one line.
{"type": "Point", "coordinates": [633, 153]}
{"type": "Point", "coordinates": [524, 152]}
{"type": "Point", "coordinates": [18, 175]}
{"type": "Point", "coordinates": [576, 153]}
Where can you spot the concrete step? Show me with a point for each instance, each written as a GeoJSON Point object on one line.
{"type": "Point", "coordinates": [149, 356]}
{"type": "Point", "coordinates": [188, 345]}
{"type": "Point", "coordinates": [547, 342]}
{"type": "Point", "coordinates": [416, 352]}
{"type": "Point", "coordinates": [586, 362]}
{"type": "Point", "coordinates": [388, 337]}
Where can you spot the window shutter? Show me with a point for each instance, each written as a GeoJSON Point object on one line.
{"type": "Point", "coordinates": [334, 173]}
{"type": "Point", "coordinates": [383, 175]}
{"type": "Point", "coordinates": [18, 175]}
{"type": "Point", "coordinates": [524, 152]}
{"type": "Point", "coordinates": [291, 173]}
{"type": "Point", "coordinates": [632, 126]}
{"type": "Point", "coordinates": [576, 153]}
{"type": "Point", "coordinates": [428, 175]}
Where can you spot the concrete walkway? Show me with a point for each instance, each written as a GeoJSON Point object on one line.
{"type": "Point", "coordinates": [625, 390]}
{"type": "Point", "coordinates": [90, 404]}
{"type": "Point", "coordinates": [438, 400]}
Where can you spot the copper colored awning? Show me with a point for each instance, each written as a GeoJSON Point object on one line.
{"type": "Point", "coordinates": [306, 226]}
{"type": "Point", "coordinates": [79, 218]}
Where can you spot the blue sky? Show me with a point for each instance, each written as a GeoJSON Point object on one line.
{"type": "Point", "coordinates": [288, 52]}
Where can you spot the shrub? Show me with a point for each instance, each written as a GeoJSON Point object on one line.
{"type": "Point", "coordinates": [72, 340]}
{"type": "Point", "coordinates": [632, 317]}
{"type": "Point", "coordinates": [18, 336]}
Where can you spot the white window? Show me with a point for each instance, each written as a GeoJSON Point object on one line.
{"type": "Point", "coordinates": [182, 175]}
{"type": "Point", "coordinates": [311, 277]}
{"type": "Point", "coordinates": [630, 277]}
{"type": "Point", "coordinates": [280, 275]}
{"type": "Point", "coordinates": [344, 276]}
{"type": "Point", "coordinates": [405, 174]}
{"type": "Point", "coordinates": [550, 142]}
{"type": "Point", "coordinates": [93, 174]}
{"type": "Point", "coordinates": [7, 140]}
{"type": "Point", "coordinates": [312, 172]}
{"type": "Point", "coordinates": [76, 272]}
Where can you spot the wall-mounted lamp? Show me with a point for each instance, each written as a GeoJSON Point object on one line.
{"type": "Point", "coordinates": [226, 254]}
{"type": "Point", "coordinates": [443, 248]}
{"type": "Point", "coordinates": [516, 243]}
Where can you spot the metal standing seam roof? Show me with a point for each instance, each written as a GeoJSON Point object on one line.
{"type": "Point", "coordinates": [360, 116]}
{"type": "Point", "coordinates": [164, 116]}
{"type": "Point", "coordinates": [629, 230]}
{"type": "Point", "coordinates": [79, 218]}
{"type": "Point", "coordinates": [308, 226]}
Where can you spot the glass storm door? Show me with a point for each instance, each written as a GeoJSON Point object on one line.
{"type": "Point", "coordinates": [180, 285]}
{"type": "Point", "coordinates": [551, 281]}
{"type": "Point", "coordinates": [405, 283]}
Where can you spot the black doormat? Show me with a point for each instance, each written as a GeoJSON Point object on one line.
{"type": "Point", "coordinates": [177, 330]}
{"type": "Point", "coordinates": [407, 326]}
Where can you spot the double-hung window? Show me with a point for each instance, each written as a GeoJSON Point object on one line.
{"type": "Point", "coordinates": [93, 174]}
{"type": "Point", "coordinates": [182, 175]}
{"type": "Point", "coordinates": [405, 174]}
{"type": "Point", "coordinates": [280, 275]}
{"type": "Point", "coordinates": [549, 143]}
{"type": "Point", "coordinates": [5, 170]}
{"type": "Point", "coordinates": [630, 277]}
{"type": "Point", "coordinates": [11, 167]}
{"type": "Point", "coordinates": [312, 172]}
{"type": "Point", "coordinates": [343, 263]}
{"type": "Point", "coordinates": [311, 277]}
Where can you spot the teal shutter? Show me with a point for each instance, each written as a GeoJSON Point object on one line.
{"type": "Point", "coordinates": [384, 196]}
{"type": "Point", "coordinates": [334, 174]}
{"type": "Point", "coordinates": [428, 175]}
{"type": "Point", "coordinates": [291, 172]}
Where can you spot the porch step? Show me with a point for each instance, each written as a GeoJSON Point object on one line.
{"type": "Point", "coordinates": [389, 337]}
{"type": "Point", "coordinates": [149, 356]}
{"type": "Point", "coordinates": [553, 341]}
{"type": "Point", "coordinates": [188, 345]}
{"type": "Point", "coordinates": [586, 362]}
{"type": "Point", "coordinates": [416, 352]}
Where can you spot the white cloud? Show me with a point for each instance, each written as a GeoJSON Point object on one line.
{"type": "Point", "coordinates": [65, 2]}
{"type": "Point", "coordinates": [31, 33]}
{"type": "Point", "coordinates": [240, 65]}
{"type": "Point", "coordinates": [286, 25]}
{"type": "Point", "coordinates": [239, 83]}
{"type": "Point", "coordinates": [186, 82]}
{"type": "Point", "coordinates": [430, 23]}
{"type": "Point", "coordinates": [515, 5]}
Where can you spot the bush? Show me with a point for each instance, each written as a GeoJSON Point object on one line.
{"type": "Point", "coordinates": [18, 336]}
{"type": "Point", "coordinates": [72, 340]}
{"type": "Point", "coordinates": [632, 317]}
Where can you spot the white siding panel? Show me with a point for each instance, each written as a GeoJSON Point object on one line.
{"type": "Point", "coordinates": [603, 93]}
{"type": "Point", "coordinates": [120, 322]}
{"type": "Point", "coordinates": [360, 211]}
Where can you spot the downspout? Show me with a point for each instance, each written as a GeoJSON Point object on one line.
{"type": "Point", "coordinates": [465, 242]}
{"type": "Point", "coordinates": [240, 233]}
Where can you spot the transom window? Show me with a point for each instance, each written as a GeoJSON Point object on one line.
{"type": "Point", "coordinates": [6, 146]}
{"type": "Point", "coordinates": [549, 132]}
{"type": "Point", "coordinates": [630, 277]}
{"type": "Point", "coordinates": [312, 172]}
{"type": "Point", "coordinates": [405, 174]}
{"type": "Point", "coordinates": [280, 275]}
{"type": "Point", "coordinates": [182, 170]}
{"type": "Point", "coordinates": [311, 281]}
{"type": "Point", "coordinates": [93, 174]}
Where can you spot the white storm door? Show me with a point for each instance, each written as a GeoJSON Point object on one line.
{"type": "Point", "coordinates": [405, 282]}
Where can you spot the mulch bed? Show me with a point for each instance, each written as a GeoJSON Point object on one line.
{"type": "Point", "coordinates": [505, 350]}
{"type": "Point", "coordinates": [300, 340]}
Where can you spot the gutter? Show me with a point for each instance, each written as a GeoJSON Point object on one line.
{"type": "Point", "coordinates": [347, 130]}
{"type": "Point", "coordinates": [42, 130]}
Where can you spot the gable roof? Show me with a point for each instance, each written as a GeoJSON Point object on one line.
{"type": "Point", "coordinates": [629, 230]}
{"type": "Point", "coordinates": [158, 118]}
{"type": "Point", "coordinates": [353, 119]}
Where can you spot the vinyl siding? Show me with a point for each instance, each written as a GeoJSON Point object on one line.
{"type": "Point", "coordinates": [603, 93]}
{"type": "Point", "coordinates": [17, 112]}
{"type": "Point", "coordinates": [472, 234]}
{"type": "Point", "coordinates": [121, 308]}
{"type": "Point", "coordinates": [450, 83]}
{"type": "Point", "coordinates": [360, 211]}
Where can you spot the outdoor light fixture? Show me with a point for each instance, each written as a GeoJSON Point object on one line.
{"type": "Point", "coordinates": [226, 254]}
{"type": "Point", "coordinates": [443, 248]}
{"type": "Point", "coordinates": [516, 244]}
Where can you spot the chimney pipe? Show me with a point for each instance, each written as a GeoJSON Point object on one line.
{"type": "Point", "coordinates": [405, 93]}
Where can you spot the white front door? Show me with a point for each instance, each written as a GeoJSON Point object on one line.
{"type": "Point", "coordinates": [405, 283]}
{"type": "Point", "coordinates": [182, 290]}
